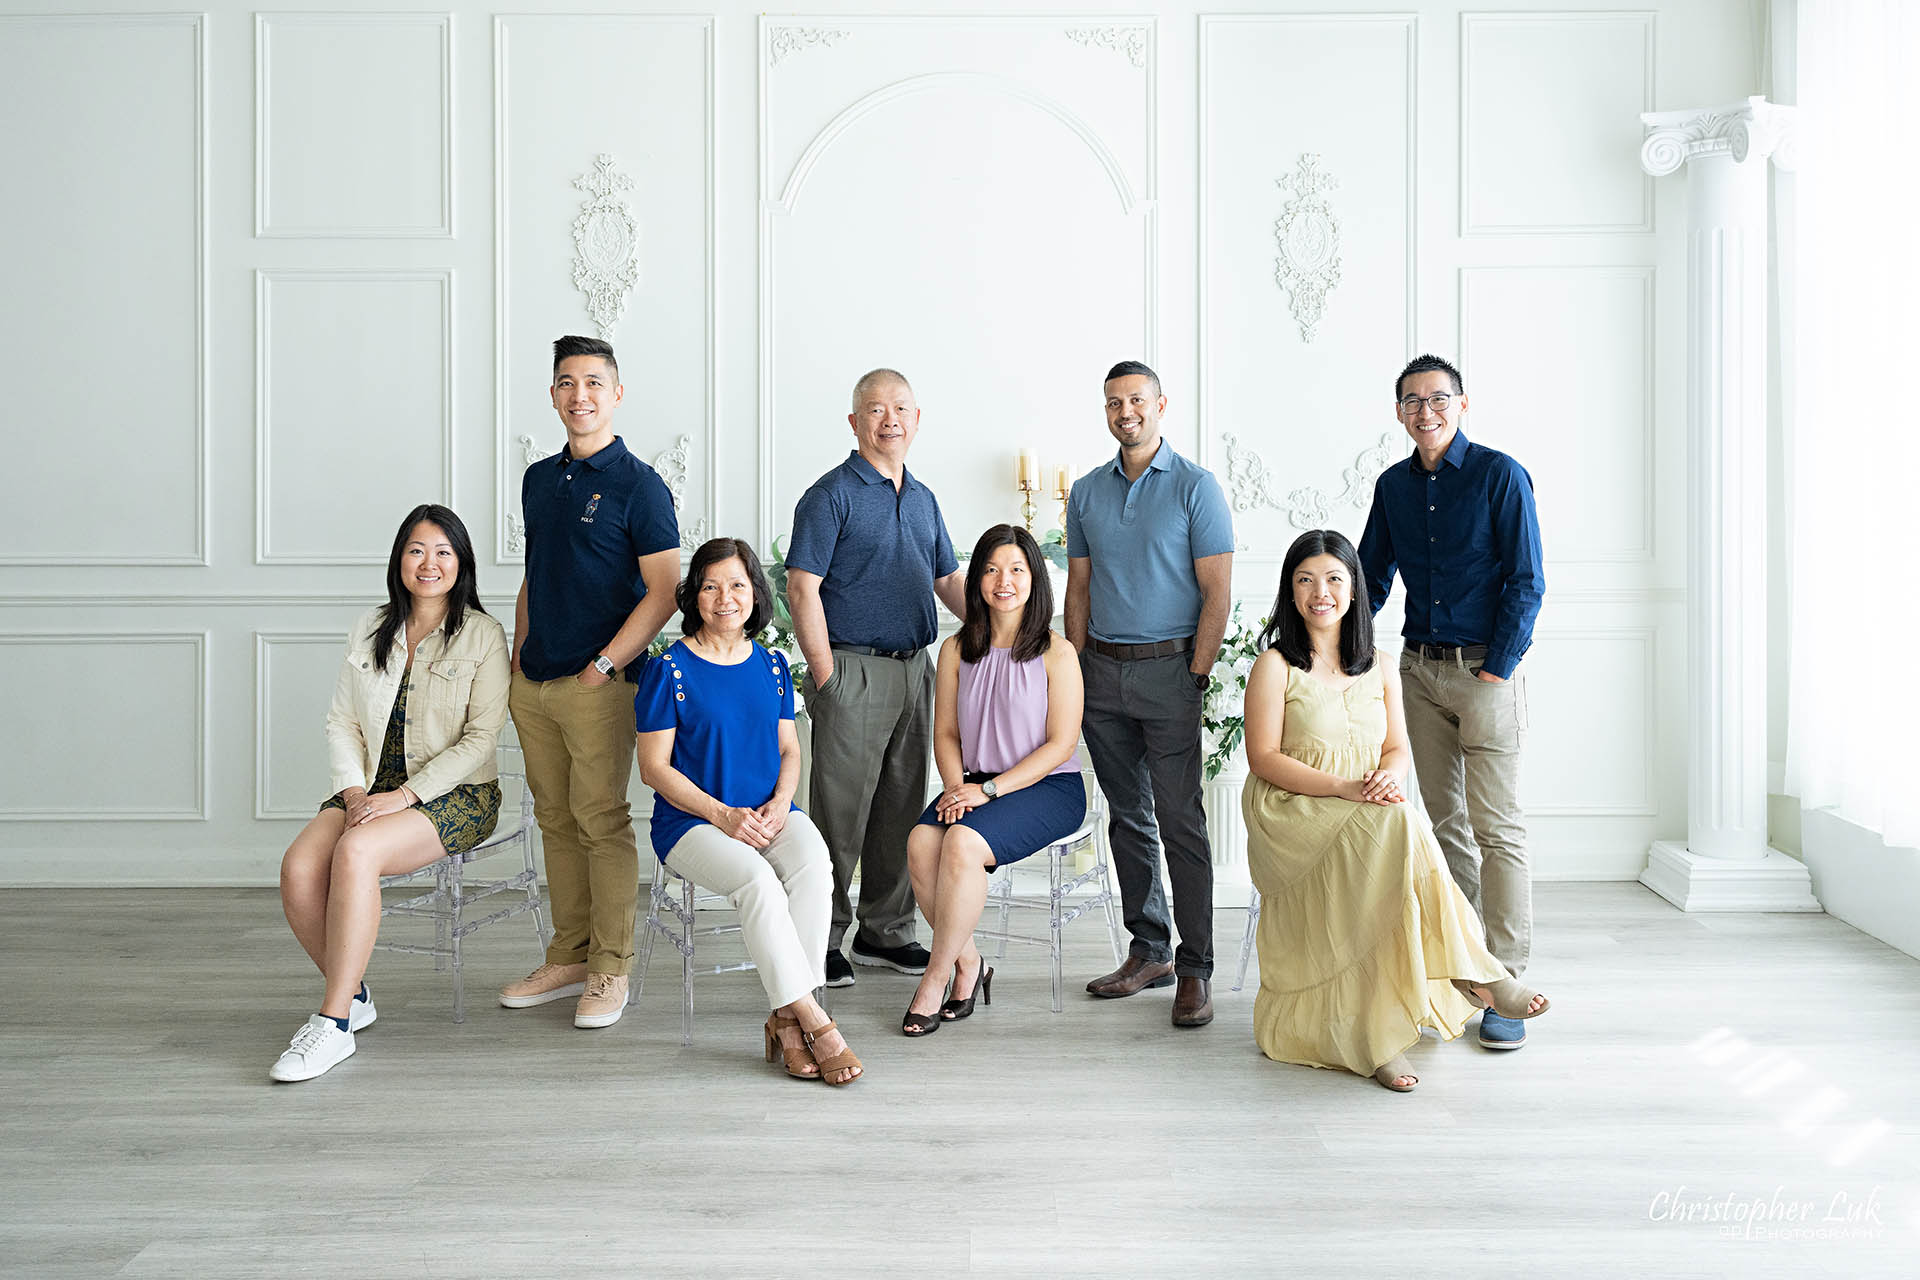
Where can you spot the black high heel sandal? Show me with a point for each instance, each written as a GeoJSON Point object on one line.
{"type": "Point", "coordinates": [954, 1010]}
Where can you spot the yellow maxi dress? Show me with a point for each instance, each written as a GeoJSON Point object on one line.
{"type": "Point", "coordinates": [1361, 926]}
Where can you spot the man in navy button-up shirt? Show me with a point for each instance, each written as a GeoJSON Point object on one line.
{"type": "Point", "coordinates": [1456, 521]}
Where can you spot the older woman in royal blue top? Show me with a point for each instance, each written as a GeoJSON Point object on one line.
{"type": "Point", "coordinates": [717, 744]}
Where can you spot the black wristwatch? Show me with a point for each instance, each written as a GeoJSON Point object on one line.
{"type": "Point", "coordinates": [603, 664]}
{"type": "Point", "coordinates": [1201, 681]}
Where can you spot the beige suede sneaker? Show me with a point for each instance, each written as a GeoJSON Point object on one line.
{"type": "Point", "coordinates": [605, 1000]}
{"type": "Point", "coordinates": [544, 985]}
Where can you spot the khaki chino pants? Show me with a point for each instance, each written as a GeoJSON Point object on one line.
{"type": "Point", "coordinates": [578, 744]}
{"type": "Point", "coordinates": [1466, 736]}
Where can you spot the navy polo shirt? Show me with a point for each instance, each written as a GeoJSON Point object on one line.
{"type": "Point", "coordinates": [1140, 538]}
{"type": "Point", "coordinates": [877, 551]}
{"type": "Point", "coordinates": [589, 520]}
{"type": "Point", "coordinates": [1466, 538]}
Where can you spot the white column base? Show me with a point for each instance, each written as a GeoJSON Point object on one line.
{"type": "Point", "coordinates": [1774, 882]}
{"type": "Point", "coordinates": [1227, 834]}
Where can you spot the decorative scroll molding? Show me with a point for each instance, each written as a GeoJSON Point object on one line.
{"type": "Point", "coordinates": [1309, 238]}
{"type": "Point", "coordinates": [1250, 483]}
{"type": "Point", "coordinates": [672, 466]}
{"type": "Point", "coordinates": [516, 535]}
{"type": "Point", "coordinates": [606, 244]}
{"type": "Point", "coordinates": [784, 42]}
{"type": "Point", "coordinates": [1131, 41]}
{"type": "Point", "coordinates": [1755, 127]}
{"type": "Point", "coordinates": [531, 452]}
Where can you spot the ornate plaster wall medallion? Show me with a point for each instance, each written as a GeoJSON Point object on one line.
{"type": "Point", "coordinates": [516, 535]}
{"type": "Point", "coordinates": [1131, 41]}
{"type": "Point", "coordinates": [606, 244]}
{"type": "Point", "coordinates": [784, 42]}
{"type": "Point", "coordinates": [531, 452]}
{"type": "Point", "coordinates": [1250, 483]}
{"type": "Point", "coordinates": [1309, 238]}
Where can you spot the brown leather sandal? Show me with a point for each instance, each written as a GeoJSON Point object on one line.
{"type": "Point", "coordinates": [841, 1061]}
{"type": "Point", "coordinates": [795, 1059]}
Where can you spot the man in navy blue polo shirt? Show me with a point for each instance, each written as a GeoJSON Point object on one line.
{"type": "Point", "coordinates": [1149, 577]}
{"type": "Point", "coordinates": [870, 552]}
{"type": "Point", "coordinates": [1457, 521]}
{"type": "Point", "coordinates": [603, 559]}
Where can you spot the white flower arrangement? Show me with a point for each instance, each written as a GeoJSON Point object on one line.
{"type": "Point", "coordinates": [1223, 723]}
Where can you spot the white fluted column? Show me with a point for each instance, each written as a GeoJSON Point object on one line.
{"type": "Point", "coordinates": [1726, 863]}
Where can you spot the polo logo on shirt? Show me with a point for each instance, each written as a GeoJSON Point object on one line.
{"type": "Point", "coordinates": [586, 517]}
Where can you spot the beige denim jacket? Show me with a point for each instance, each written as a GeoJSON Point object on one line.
{"type": "Point", "coordinates": [455, 710]}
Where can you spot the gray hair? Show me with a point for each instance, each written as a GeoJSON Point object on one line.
{"type": "Point", "coordinates": [874, 379]}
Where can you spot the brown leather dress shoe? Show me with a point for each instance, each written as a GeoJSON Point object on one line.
{"type": "Point", "coordinates": [1192, 1003]}
{"type": "Point", "coordinates": [1135, 975]}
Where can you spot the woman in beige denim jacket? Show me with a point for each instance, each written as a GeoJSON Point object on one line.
{"type": "Point", "coordinates": [416, 714]}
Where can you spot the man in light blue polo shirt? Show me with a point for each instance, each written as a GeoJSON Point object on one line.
{"type": "Point", "coordinates": [870, 552]}
{"type": "Point", "coordinates": [1149, 576]}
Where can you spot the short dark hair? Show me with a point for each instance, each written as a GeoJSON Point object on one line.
{"type": "Point", "coordinates": [712, 552]}
{"type": "Point", "coordinates": [465, 594]}
{"type": "Point", "coordinates": [1429, 363]}
{"type": "Point", "coordinates": [1035, 636]}
{"type": "Point", "coordinates": [1133, 368]}
{"type": "Point", "coordinates": [574, 345]}
{"type": "Point", "coordinates": [1287, 630]}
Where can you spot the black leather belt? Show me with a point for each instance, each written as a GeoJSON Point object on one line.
{"type": "Point", "coordinates": [868, 651]}
{"type": "Point", "coordinates": [1132, 652]}
{"type": "Point", "coordinates": [1449, 652]}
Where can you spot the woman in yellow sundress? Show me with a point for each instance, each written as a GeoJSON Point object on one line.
{"type": "Point", "coordinates": [1364, 938]}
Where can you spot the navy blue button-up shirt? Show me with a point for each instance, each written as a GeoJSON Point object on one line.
{"type": "Point", "coordinates": [589, 520]}
{"type": "Point", "coordinates": [1467, 540]}
{"type": "Point", "coordinates": [877, 551]}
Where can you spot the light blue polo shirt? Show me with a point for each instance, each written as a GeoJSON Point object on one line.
{"type": "Point", "coordinates": [1140, 541]}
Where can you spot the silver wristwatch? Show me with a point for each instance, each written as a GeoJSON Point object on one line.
{"type": "Point", "coordinates": [988, 789]}
{"type": "Point", "coordinates": [603, 664]}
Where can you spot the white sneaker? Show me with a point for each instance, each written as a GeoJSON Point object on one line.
{"type": "Point", "coordinates": [317, 1048]}
{"type": "Point", "coordinates": [361, 1014]}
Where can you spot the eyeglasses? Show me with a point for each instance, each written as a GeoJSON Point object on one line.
{"type": "Point", "coordinates": [1439, 402]}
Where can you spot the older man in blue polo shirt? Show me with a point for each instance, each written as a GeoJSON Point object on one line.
{"type": "Point", "coordinates": [1457, 521]}
{"type": "Point", "coordinates": [603, 559]}
{"type": "Point", "coordinates": [870, 552]}
{"type": "Point", "coordinates": [1149, 576]}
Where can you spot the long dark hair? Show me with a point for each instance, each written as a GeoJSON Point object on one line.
{"type": "Point", "coordinates": [1287, 632]}
{"type": "Point", "coordinates": [711, 553]}
{"type": "Point", "coordinates": [399, 607]}
{"type": "Point", "coordinates": [1035, 634]}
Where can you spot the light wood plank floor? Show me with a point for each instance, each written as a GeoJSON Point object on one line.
{"type": "Point", "coordinates": [1687, 1060]}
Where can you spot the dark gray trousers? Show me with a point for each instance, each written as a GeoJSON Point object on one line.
{"type": "Point", "coordinates": [1142, 726]}
{"type": "Point", "coordinates": [872, 732]}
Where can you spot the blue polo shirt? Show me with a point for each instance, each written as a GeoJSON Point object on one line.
{"type": "Point", "coordinates": [1466, 538]}
{"type": "Point", "coordinates": [589, 520]}
{"type": "Point", "coordinates": [1141, 539]}
{"type": "Point", "coordinates": [877, 551]}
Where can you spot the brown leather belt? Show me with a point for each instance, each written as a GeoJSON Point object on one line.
{"type": "Point", "coordinates": [1448, 652]}
{"type": "Point", "coordinates": [1132, 652]}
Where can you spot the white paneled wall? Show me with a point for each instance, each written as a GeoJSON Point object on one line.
{"type": "Point", "coordinates": [273, 277]}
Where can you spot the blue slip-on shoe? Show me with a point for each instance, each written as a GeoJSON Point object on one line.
{"type": "Point", "coordinates": [1498, 1032]}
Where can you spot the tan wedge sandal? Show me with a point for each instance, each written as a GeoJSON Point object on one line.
{"type": "Point", "coordinates": [841, 1061]}
{"type": "Point", "coordinates": [797, 1060]}
{"type": "Point", "coordinates": [1511, 997]}
{"type": "Point", "coordinates": [1393, 1070]}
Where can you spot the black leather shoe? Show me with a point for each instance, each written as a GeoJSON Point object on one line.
{"type": "Point", "coordinates": [1133, 976]}
{"type": "Point", "coordinates": [1192, 1003]}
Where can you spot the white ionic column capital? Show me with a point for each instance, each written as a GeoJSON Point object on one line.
{"type": "Point", "coordinates": [1756, 128]}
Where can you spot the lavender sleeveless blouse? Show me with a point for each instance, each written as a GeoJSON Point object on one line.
{"type": "Point", "coordinates": [1003, 713]}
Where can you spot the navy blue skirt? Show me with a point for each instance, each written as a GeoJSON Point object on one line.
{"type": "Point", "coordinates": [1023, 822]}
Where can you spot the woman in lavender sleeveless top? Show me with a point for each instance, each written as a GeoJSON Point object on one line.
{"type": "Point", "coordinates": [1006, 720]}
